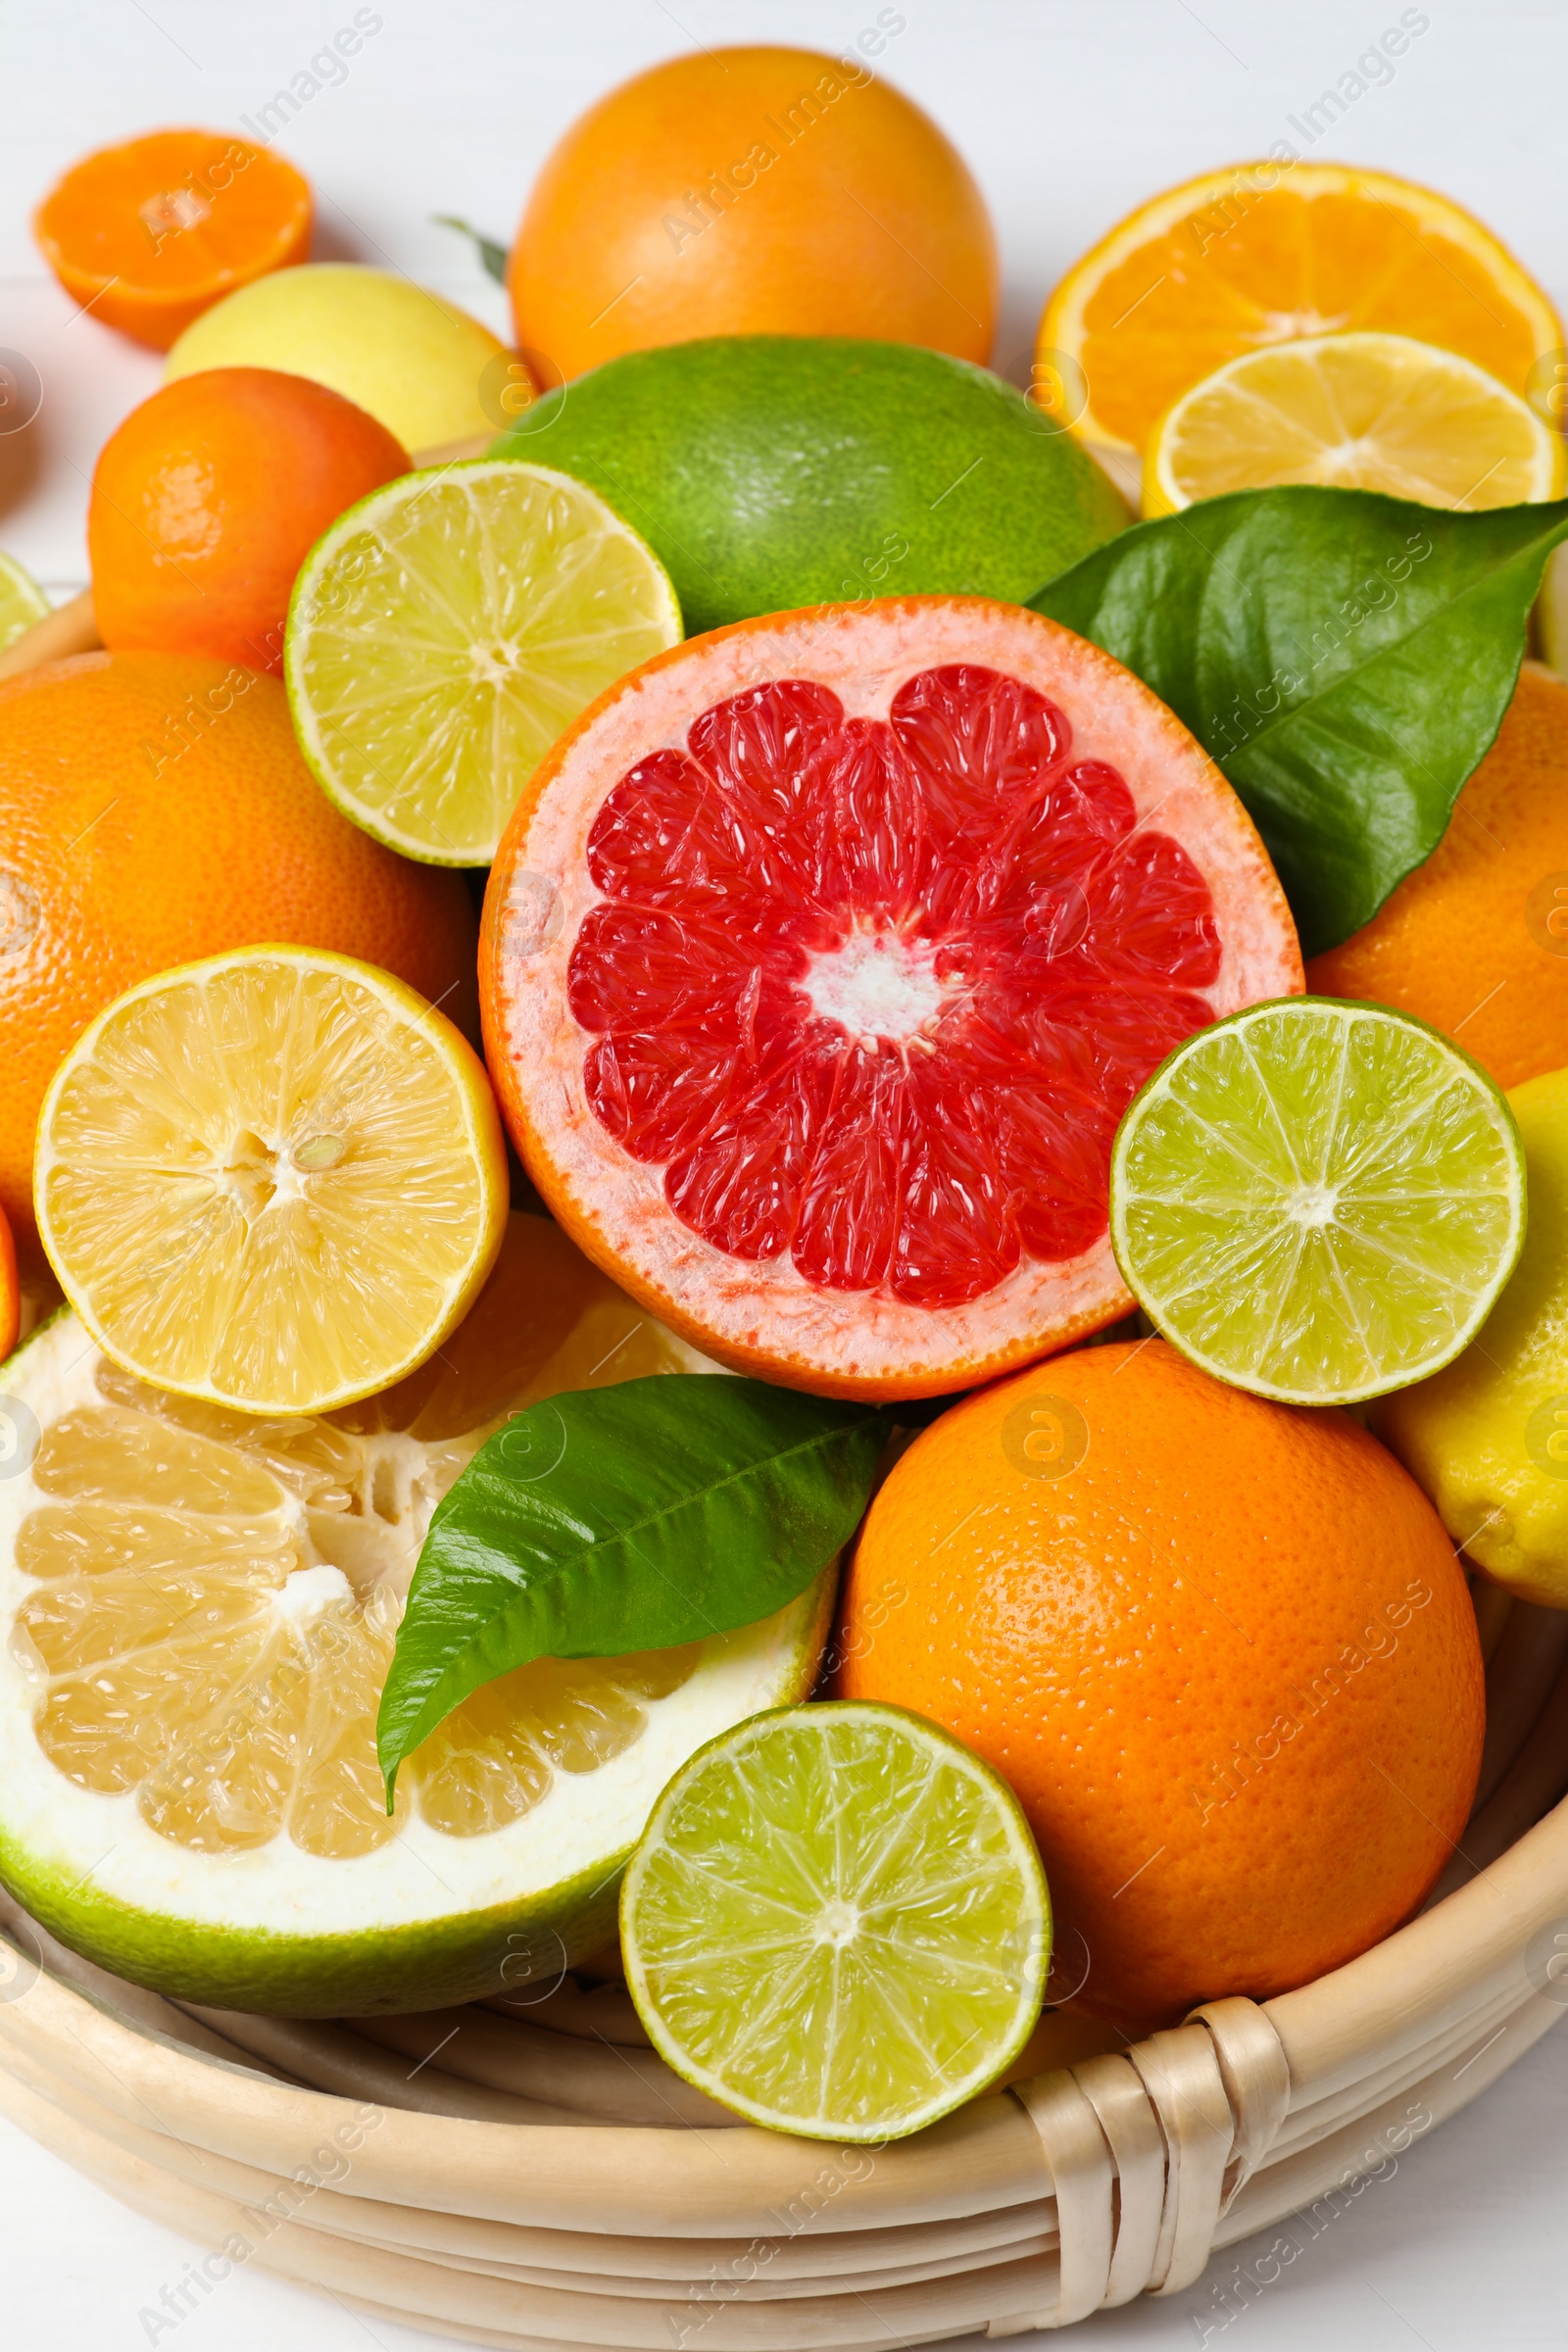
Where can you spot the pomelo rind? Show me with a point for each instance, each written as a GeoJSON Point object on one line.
{"type": "Point", "coordinates": [288, 1933]}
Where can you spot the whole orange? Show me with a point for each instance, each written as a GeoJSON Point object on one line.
{"type": "Point", "coordinates": [753, 191]}
{"type": "Point", "coordinates": [1476, 940]}
{"type": "Point", "coordinates": [209, 498]}
{"type": "Point", "coordinates": [155, 807]}
{"type": "Point", "coordinates": [10, 1305]}
{"type": "Point", "coordinates": [1221, 1650]}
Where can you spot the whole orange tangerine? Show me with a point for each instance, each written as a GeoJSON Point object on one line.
{"type": "Point", "coordinates": [207, 499]}
{"type": "Point", "coordinates": [155, 808]}
{"type": "Point", "coordinates": [1476, 940]}
{"type": "Point", "coordinates": [1221, 1648]}
{"type": "Point", "coordinates": [149, 235]}
{"type": "Point", "coordinates": [751, 191]}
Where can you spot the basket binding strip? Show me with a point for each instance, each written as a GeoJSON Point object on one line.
{"type": "Point", "coordinates": [549, 2184]}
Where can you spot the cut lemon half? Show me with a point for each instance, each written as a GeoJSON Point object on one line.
{"type": "Point", "coordinates": [1260, 253]}
{"type": "Point", "coordinates": [273, 1180]}
{"type": "Point", "coordinates": [197, 1612]}
{"type": "Point", "coordinates": [836, 1922]}
{"type": "Point", "coordinates": [22, 601]}
{"type": "Point", "coordinates": [1355, 412]}
{"type": "Point", "coordinates": [1318, 1201]}
{"type": "Point", "coordinates": [447, 629]}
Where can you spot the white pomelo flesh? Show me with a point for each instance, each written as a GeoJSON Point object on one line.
{"type": "Point", "coordinates": [188, 1682]}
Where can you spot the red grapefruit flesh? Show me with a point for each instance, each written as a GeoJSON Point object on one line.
{"type": "Point", "coordinates": [823, 956]}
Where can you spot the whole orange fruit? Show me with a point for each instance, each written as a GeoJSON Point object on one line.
{"type": "Point", "coordinates": [9, 1307]}
{"type": "Point", "coordinates": [1476, 940]}
{"type": "Point", "coordinates": [751, 191]}
{"type": "Point", "coordinates": [209, 498]}
{"type": "Point", "coordinates": [1221, 1650]}
{"type": "Point", "coordinates": [154, 808]}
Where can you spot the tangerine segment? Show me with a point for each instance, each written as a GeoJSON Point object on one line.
{"type": "Point", "coordinates": [151, 233]}
{"type": "Point", "coordinates": [1265, 252]}
{"type": "Point", "coordinates": [822, 958]}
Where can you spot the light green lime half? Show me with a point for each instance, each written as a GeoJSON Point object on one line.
{"type": "Point", "coordinates": [447, 630]}
{"type": "Point", "coordinates": [22, 601]}
{"type": "Point", "coordinates": [1318, 1201]}
{"type": "Point", "coordinates": [836, 1922]}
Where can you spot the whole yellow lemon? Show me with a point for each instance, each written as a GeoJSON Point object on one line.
{"type": "Point", "coordinates": [410, 359]}
{"type": "Point", "coordinates": [1487, 1435]}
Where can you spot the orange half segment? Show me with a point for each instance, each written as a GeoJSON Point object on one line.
{"type": "Point", "coordinates": [1262, 251]}
{"type": "Point", "coordinates": [149, 235]}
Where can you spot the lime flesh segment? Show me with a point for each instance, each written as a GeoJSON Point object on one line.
{"type": "Point", "coordinates": [836, 1922]}
{"type": "Point", "coordinates": [1318, 1201]}
{"type": "Point", "coordinates": [447, 630]}
{"type": "Point", "coordinates": [22, 601]}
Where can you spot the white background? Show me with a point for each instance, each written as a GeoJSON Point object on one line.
{"type": "Point", "coordinates": [1069, 112]}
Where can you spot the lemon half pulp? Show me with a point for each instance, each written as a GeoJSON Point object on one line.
{"type": "Point", "coordinates": [275, 1179]}
{"type": "Point", "coordinates": [1355, 412]}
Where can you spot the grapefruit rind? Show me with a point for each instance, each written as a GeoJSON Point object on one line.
{"type": "Point", "coordinates": [425, 1921]}
{"type": "Point", "coordinates": [764, 1317]}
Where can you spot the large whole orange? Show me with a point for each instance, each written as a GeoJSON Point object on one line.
{"type": "Point", "coordinates": [154, 808]}
{"type": "Point", "coordinates": [208, 498]}
{"type": "Point", "coordinates": [1220, 1648]}
{"type": "Point", "coordinates": [752, 192]}
{"type": "Point", "coordinates": [1476, 940]}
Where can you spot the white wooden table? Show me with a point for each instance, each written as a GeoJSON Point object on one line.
{"type": "Point", "coordinates": [1069, 111]}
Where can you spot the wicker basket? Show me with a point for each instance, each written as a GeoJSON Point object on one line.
{"type": "Point", "coordinates": [539, 2179]}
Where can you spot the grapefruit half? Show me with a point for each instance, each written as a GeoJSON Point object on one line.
{"type": "Point", "coordinates": [820, 960]}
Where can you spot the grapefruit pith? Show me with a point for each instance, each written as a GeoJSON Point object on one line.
{"type": "Point", "coordinates": [820, 960]}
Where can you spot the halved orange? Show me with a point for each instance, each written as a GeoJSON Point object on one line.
{"type": "Point", "coordinates": [823, 954]}
{"type": "Point", "coordinates": [1262, 251]}
{"type": "Point", "coordinates": [149, 235]}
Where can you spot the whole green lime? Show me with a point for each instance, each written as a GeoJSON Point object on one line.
{"type": "Point", "coordinates": [772, 471]}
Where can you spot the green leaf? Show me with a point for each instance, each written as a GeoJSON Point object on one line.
{"type": "Point", "coordinates": [624, 1518]}
{"type": "Point", "coordinates": [1347, 660]}
{"type": "Point", "coordinates": [493, 256]}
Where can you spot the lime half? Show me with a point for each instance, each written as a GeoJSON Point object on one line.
{"type": "Point", "coordinates": [1318, 1201]}
{"type": "Point", "coordinates": [447, 630]}
{"type": "Point", "coordinates": [836, 1922]}
{"type": "Point", "coordinates": [22, 601]}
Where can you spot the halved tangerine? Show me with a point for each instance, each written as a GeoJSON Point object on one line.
{"type": "Point", "coordinates": [820, 960]}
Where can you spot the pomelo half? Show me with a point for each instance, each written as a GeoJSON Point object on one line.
{"type": "Point", "coordinates": [767, 472]}
{"type": "Point", "coordinates": [822, 957]}
{"type": "Point", "coordinates": [197, 1611]}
